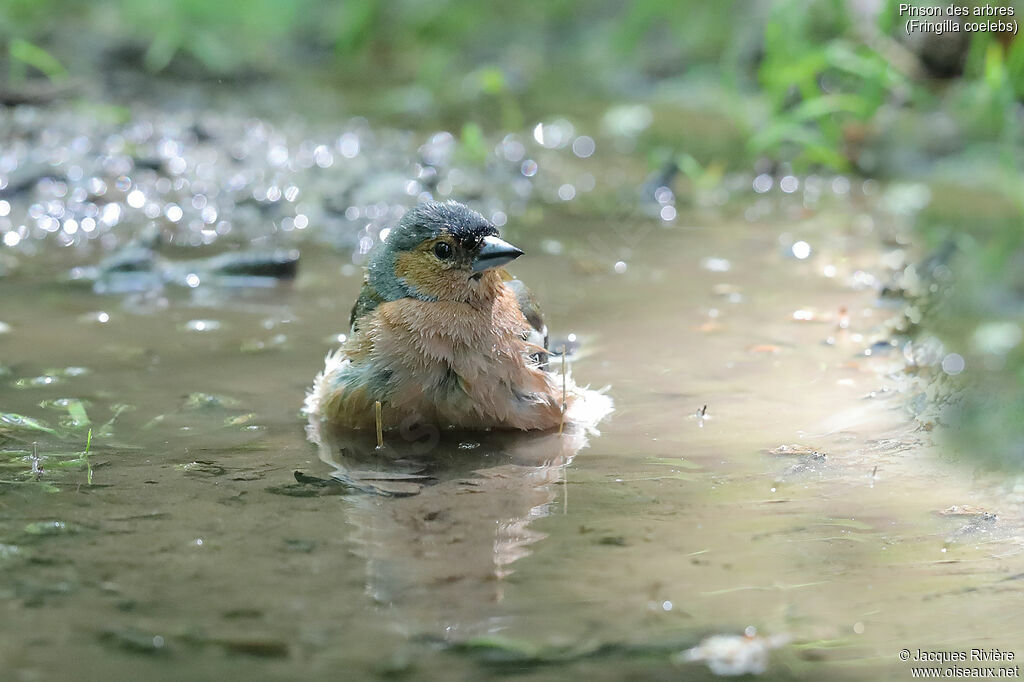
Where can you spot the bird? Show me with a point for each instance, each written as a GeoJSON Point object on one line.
{"type": "Point", "coordinates": [442, 334]}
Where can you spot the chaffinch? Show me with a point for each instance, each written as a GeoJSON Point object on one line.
{"type": "Point", "coordinates": [441, 334]}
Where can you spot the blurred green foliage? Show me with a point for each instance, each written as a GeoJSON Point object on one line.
{"type": "Point", "coordinates": [978, 312]}
{"type": "Point", "coordinates": [825, 71]}
{"type": "Point", "coordinates": [820, 80]}
{"type": "Point", "coordinates": [24, 54]}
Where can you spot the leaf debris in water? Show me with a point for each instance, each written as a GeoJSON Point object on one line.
{"type": "Point", "coordinates": [20, 421]}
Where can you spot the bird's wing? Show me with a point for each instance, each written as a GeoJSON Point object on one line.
{"type": "Point", "coordinates": [531, 311]}
{"type": "Point", "coordinates": [367, 301]}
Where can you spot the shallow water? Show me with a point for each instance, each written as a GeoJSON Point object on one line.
{"type": "Point", "coordinates": [195, 552]}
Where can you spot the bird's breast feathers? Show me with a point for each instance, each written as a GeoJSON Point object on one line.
{"type": "Point", "coordinates": [451, 362]}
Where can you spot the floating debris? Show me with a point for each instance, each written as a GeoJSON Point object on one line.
{"type": "Point", "coordinates": [202, 468]}
{"type": "Point", "coordinates": [49, 528]}
{"type": "Point", "coordinates": [208, 401]}
{"type": "Point", "coordinates": [338, 484]}
{"type": "Point", "coordinates": [701, 415]}
{"type": "Point", "coordinates": [797, 450]}
{"type": "Point", "coordinates": [239, 420]}
{"type": "Point", "coordinates": [968, 511]}
{"type": "Point", "coordinates": [733, 655]}
{"type": "Point", "coordinates": [380, 424]}
{"type": "Point", "coordinates": [37, 470]}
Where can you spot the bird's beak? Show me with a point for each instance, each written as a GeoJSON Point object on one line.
{"type": "Point", "coordinates": [494, 253]}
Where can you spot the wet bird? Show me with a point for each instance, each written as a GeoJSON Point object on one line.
{"type": "Point", "coordinates": [441, 334]}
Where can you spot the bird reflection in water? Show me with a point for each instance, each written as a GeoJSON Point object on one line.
{"type": "Point", "coordinates": [445, 515]}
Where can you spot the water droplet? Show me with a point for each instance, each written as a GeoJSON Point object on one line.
{"type": "Point", "coordinates": [173, 212]}
{"type": "Point", "coordinates": [136, 199]}
{"type": "Point", "coordinates": [953, 364]}
{"type": "Point", "coordinates": [202, 325]}
{"type": "Point", "coordinates": [583, 146]}
{"type": "Point", "coordinates": [552, 246]}
{"type": "Point", "coordinates": [715, 264]}
{"type": "Point", "coordinates": [348, 145]}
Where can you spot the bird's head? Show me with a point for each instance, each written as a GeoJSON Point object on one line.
{"type": "Point", "coordinates": [440, 252]}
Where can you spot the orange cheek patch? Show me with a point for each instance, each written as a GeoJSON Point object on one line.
{"type": "Point", "coordinates": [415, 269]}
{"type": "Point", "coordinates": [421, 271]}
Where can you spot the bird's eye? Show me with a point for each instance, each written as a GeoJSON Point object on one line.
{"type": "Point", "coordinates": [443, 250]}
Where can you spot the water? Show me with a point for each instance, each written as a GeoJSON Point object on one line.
{"type": "Point", "coordinates": [195, 552]}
